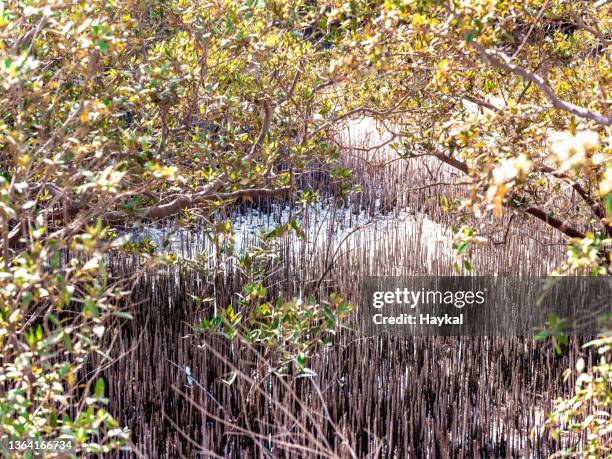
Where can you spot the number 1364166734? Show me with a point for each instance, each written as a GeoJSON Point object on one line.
{"type": "Point", "coordinates": [36, 446]}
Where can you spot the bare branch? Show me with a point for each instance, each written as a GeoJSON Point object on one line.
{"type": "Point", "coordinates": [596, 208]}
{"type": "Point", "coordinates": [430, 185]}
{"type": "Point", "coordinates": [187, 201]}
{"type": "Point", "coordinates": [534, 211]}
{"type": "Point", "coordinates": [452, 162]}
{"type": "Point", "coordinates": [480, 102]}
{"type": "Point", "coordinates": [500, 60]}
{"type": "Point", "coordinates": [559, 225]}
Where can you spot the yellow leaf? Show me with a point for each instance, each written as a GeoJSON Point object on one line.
{"type": "Point", "coordinates": [84, 115]}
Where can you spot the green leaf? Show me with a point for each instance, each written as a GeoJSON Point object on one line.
{"type": "Point", "coordinates": [55, 260]}
{"type": "Point", "coordinates": [231, 314]}
{"type": "Point", "coordinates": [99, 389]}
{"type": "Point", "coordinates": [26, 299]}
{"type": "Point", "coordinates": [556, 346]}
{"type": "Point", "coordinates": [103, 45]}
{"type": "Point", "coordinates": [300, 359]}
{"type": "Point", "coordinates": [67, 341]}
{"type": "Point", "coordinates": [53, 419]}
{"type": "Point", "coordinates": [53, 319]}
{"type": "Point", "coordinates": [462, 247]}
{"type": "Point", "coordinates": [542, 334]}
{"type": "Point", "coordinates": [467, 265]}
{"type": "Point", "coordinates": [124, 315]}
{"type": "Point", "coordinates": [276, 232]}
{"type": "Point", "coordinates": [298, 230]}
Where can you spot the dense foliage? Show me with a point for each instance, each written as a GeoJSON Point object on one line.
{"type": "Point", "coordinates": [115, 115]}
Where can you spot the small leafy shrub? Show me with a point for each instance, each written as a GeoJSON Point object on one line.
{"type": "Point", "coordinates": [588, 410]}
{"type": "Point", "coordinates": [55, 304]}
{"type": "Point", "coordinates": [289, 331]}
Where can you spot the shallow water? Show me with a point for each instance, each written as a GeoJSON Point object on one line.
{"type": "Point", "coordinates": [325, 227]}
